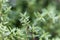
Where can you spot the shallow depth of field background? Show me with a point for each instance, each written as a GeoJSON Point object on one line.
{"type": "Point", "coordinates": [29, 19]}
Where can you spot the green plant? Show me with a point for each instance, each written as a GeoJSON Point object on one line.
{"type": "Point", "coordinates": [29, 21]}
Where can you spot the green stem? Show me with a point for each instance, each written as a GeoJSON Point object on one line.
{"type": "Point", "coordinates": [33, 32]}
{"type": "Point", "coordinates": [0, 7]}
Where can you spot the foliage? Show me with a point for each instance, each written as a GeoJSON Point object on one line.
{"type": "Point", "coordinates": [31, 20]}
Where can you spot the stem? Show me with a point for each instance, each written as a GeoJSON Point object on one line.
{"type": "Point", "coordinates": [26, 34]}
{"type": "Point", "coordinates": [32, 33]}
{"type": "Point", "coordinates": [0, 7]}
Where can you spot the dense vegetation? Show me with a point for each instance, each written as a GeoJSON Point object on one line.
{"type": "Point", "coordinates": [29, 20]}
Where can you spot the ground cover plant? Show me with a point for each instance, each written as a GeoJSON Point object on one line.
{"type": "Point", "coordinates": [29, 19]}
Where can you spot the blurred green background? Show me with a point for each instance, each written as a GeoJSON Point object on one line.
{"type": "Point", "coordinates": [29, 19]}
